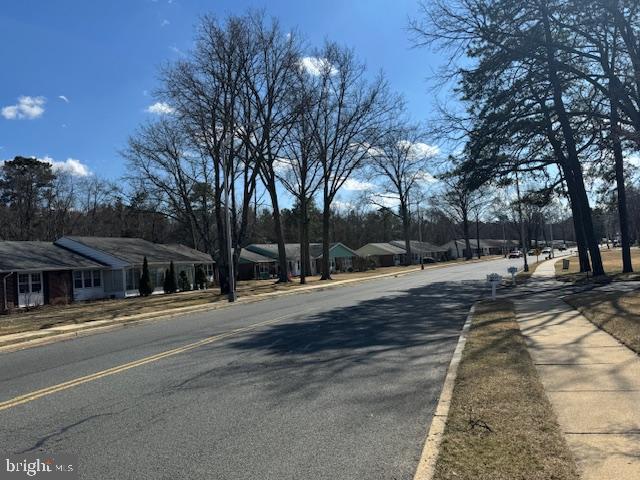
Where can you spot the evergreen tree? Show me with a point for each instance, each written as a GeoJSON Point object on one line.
{"type": "Point", "coordinates": [170, 280]}
{"type": "Point", "coordinates": [183, 282]}
{"type": "Point", "coordinates": [146, 287]}
{"type": "Point", "coordinates": [201, 278]}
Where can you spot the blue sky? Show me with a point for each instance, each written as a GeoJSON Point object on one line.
{"type": "Point", "coordinates": [77, 75]}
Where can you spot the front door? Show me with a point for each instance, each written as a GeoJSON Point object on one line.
{"type": "Point", "coordinates": [30, 289]}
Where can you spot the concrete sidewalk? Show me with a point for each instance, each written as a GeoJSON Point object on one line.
{"type": "Point", "coordinates": [592, 381]}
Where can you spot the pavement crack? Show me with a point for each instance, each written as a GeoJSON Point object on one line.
{"type": "Point", "coordinates": [42, 441]}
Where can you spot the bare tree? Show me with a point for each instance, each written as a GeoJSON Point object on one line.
{"type": "Point", "coordinates": [351, 115]}
{"type": "Point", "coordinates": [400, 161]}
{"type": "Point", "coordinates": [300, 169]}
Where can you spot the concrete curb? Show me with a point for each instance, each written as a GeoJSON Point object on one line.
{"type": "Point", "coordinates": [19, 341]}
{"type": "Point", "coordinates": [427, 463]}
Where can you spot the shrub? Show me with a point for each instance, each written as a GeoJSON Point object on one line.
{"type": "Point", "coordinates": [146, 287]}
{"type": "Point", "coordinates": [169, 284]}
{"type": "Point", "coordinates": [183, 281]}
{"type": "Point", "coordinates": [201, 278]}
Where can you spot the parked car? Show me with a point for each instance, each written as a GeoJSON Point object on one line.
{"type": "Point", "coordinates": [562, 248]}
{"type": "Point", "coordinates": [428, 260]}
{"type": "Point", "coordinates": [546, 250]}
{"type": "Point", "coordinates": [515, 254]}
{"type": "Point", "coordinates": [532, 252]}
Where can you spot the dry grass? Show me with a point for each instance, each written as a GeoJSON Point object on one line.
{"type": "Point", "coordinates": [616, 313]}
{"type": "Point", "coordinates": [501, 425]}
{"type": "Point", "coordinates": [611, 260]}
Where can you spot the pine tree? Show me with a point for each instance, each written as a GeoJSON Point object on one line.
{"type": "Point", "coordinates": [170, 280]}
{"type": "Point", "coordinates": [201, 278]}
{"type": "Point", "coordinates": [183, 282]}
{"type": "Point", "coordinates": [145, 288]}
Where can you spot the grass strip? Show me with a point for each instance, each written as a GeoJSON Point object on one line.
{"type": "Point", "coordinates": [501, 424]}
{"type": "Point", "coordinates": [617, 313]}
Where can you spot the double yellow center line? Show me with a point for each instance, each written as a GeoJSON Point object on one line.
{"type": "Point", "coordinates": [29, 397]}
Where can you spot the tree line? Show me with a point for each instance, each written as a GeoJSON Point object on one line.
{"type": "Point", "coordinates": [551, 96]}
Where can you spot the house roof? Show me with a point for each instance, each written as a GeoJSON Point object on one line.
{"type": "Point", "coordinates": [292, 249]}
{"type": "Point", "coordinates": [24, 256]}
{"type": "Point", "coordinates": [191, 252]}
{"type": "Point", "coordinates": [484, 243]}
{"type": "Point", "coordinates": [417, 246]}
{"type": "Point", "coordinates": [133, 250]}
{"type": "Point", "coordinates": [380, 249]}
{"type": "Point", "coordinates": [247, 256]}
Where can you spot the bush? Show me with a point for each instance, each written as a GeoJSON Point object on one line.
{"type": "Point", "coordinates": [201, 278]}
{"type": "Point", "coordinates": [169, 284]}
{"type": "Point", "coordinates": [183, 282]}
{"type": "Point", "coordinates": [146, 287]}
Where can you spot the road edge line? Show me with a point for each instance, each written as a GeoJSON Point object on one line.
{"type": "Point", "coordinates": [426, 466]}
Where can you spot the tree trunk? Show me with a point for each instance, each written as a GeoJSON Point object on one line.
{"type": "Point", "coordinates": [623, 215]}
{"type": "Point", "coordinates": [326, 262]}
{"type": "Point", "coordinates": [467, 243]}
{"type": "Point", "coordinates": [478, 235]}
{"type": "Point", "coordinates": [283, 274]}
{"type": "Point", "coordinates": [574, 163]}
{"type": "Point", "coordinates": [304, 240]}
{"type": "Point", "coordinates": [406, 225]}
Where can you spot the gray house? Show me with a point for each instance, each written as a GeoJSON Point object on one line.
{"type": "Point", "coordinates": [122, 259]}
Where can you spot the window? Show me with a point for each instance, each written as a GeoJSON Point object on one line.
{"type": "Point", "coordinates": [23, 283]}
{"type": "Point", "coordinates": [36, 282]}
{"type": "Point", "coordinates": [87, 279]}
{"type": "Point", "coordinates": [97, 280]}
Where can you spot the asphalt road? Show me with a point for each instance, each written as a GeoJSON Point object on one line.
{"type": "Point", "coordinates": [339, 384]}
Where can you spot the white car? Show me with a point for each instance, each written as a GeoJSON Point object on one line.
{"type": "Point", "coordinates": [546, 250]}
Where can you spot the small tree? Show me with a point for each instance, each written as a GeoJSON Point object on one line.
{"type": "Point", "coordinates": [201, 278]}
{"type": "Point", "coordinates": [145, 288]}
{"type": "Point", "coordinates": [183, 281]}
{"type": "Point", "coordinates": [169, 284]}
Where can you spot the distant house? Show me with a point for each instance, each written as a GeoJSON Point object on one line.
{"type": "Point", "coordinates": [292, 252]}
{"type": "Point", "coordinates": [383, 254]}
{"type": "Point", "coordinates": [457, 248]}
{"type": "Point", "coordinates": [422, 250]}
{"type": "Point", "coordinates": [252, 265]}
{"type": "Point", "coordinates": [341, 257]}
{"type": "Point", "coordinates": [122, 259]}
{"type": "Point", "coordinates": [39, 273]}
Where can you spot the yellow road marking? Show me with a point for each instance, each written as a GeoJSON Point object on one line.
{"type": "Point", "coordinates": [14, 402]}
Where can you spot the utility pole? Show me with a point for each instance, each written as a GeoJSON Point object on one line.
{"type": "Point", "coordinates": [230, 270]}
{"type": "Point", "coordinates": [551, 235]}
{"type": "Point", "coordinates": [420, 235]}
{"type": "Point", "coordinates": [524, 242]}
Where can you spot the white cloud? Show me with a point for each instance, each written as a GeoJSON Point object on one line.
{"type": "Point", "coordinates": [63, 98]}
{"type": "Point", "coordinates": [164, 23]}
{"type": "Point", "coordinates": [385, 200]}
{"type": "Point", "coordinates": [420, 149]}
{"type": "Point", "coordinates": [426, 177]}
{"type": "Point", "coordinates": [27, 107]}
{"type": "Point", "coordinates": [315, 66]}
{"type": "Point", "coordinates": [177, 51]}
{"type": "Point", "coordinates": [70, 165]}
{"type": "Point", "coordinates": [342, 206]}
{"type": "Point", "coordinates": [357, 185]}
{"type": "Point", "coordinates": [160, 108]}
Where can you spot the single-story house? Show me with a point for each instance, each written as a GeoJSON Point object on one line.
{"type": "Point", "coordinates": [490, 246]}
{"type": "Point", "coordinates": [422, 250]}
{"type": "Point", "coordinates": [252, 265]}
{"type": "Point", "coordinates": [341, 257]}
{"type": "Point", "coordinates": [382, 254]}
{"type": "Point", "coordinates": [38, 273]}
{"type": "Point", "coordinates": [122, 259]}
{"type": "Point", "coordinates": [292, 251]}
